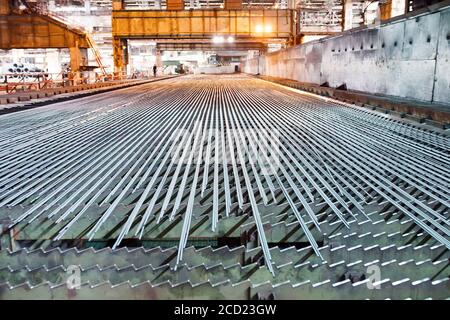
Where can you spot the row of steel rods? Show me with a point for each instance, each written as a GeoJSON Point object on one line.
{"type": "Point", "coordinates": [196, 145]}
{"type": "Point", "coordinates": [217, 137]}
{"type": "Point", "coordinates": [186, 150]}
{"type": "Point", "coordinates": [299, 165]}
{"type": "Point", "coordinates": [236, 130]}
{"type": "Point", "coordinates": [406, 169]}
{"type": "Point", "coordinates": [169, 161]}
{"type": "Point", "coordinates": [215, 218]}
{"type": "Point", "coordinates": [373, 175]}
{"type": "Point", "coordinates": [183, 135]}
{"type": "Point", "coordinates": [362, 123]}
{"type": "Point", "coordinates": [84, 167]}
{"type": "Point", "coordinates": [93, 168]}
{"type": "Point", "coordinates": [154, 161]}
{"type": "Point", "coordinates": [186, 225]}
{"type": "Point", "coordinates": [324, 183]}
{"type": "Point", "coordinates": [44, 121]}
{"type": "Point", "coordinates": [225, 158]}
{"type": "Point", "coordinates": [355, 203]}
{"type": "Point", "coordinates": [47, 168]}
{"type": "Point", "coordinates": [93, 187]}
{"type": "Point", "coordinates": [381, 141]}
{"type": "Point", "coordinates": [38, 154]}
{"type": "Point", "coordinates": [75, 150]}
{"type": "Point", "coordinates": [156, 132]}
{"type": "Point", "coordinates": [243, 138]}
{"type": "Point", "coordinates": [410, 179]}
{"type": "Point", "coordinates": [286, 194]}
{"type": "Point", "coordinates": [281, 121]}
{"type": "Point", "coordinates": [60, 123]}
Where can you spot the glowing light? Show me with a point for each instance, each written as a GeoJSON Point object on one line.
{"type": "Point", "coordinates": [263, 28]}
{"type": "Point", "coordinates": [218, 39]}
{"type": "Point", "coordinates": [230, 39]}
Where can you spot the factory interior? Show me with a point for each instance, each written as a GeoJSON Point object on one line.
{"type": "Point", "coordinates": [260, 150]}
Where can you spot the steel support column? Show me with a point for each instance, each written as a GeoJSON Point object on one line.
{"type": "Point", "coordinates": [78, 58]}
{"type": "Point", "coordinates": [5, 7]}
{"type": "Point", "coordinates": [233, 4]}
{"type": "Point", "coordinates": [392, 8]}
{"type": "Point", "coordinates": [118, 5]}
{"type": "Point", "coordinates": [175, 4]}
{"type": "Point", "coordinates": [120, 55]}
{"type": "Point", "coordinates": [347, 15]}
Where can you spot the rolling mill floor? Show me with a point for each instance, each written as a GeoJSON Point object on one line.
{"type": "Point", "coordinates": [221, 187]}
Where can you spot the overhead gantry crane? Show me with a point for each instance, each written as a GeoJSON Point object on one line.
{"type": "Point", "coordinates": [176, 27]}
{"type": "Point", "coordinates": [23, 27]}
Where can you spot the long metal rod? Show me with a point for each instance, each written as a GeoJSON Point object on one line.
{"type": "Point", "coordinates": [174, 143]}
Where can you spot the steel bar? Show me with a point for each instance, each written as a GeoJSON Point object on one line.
{"type": "Point", "coordinates": [192, 153]}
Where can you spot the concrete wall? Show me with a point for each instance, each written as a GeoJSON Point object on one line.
{"type": "Point", "coordinates": [407, 57]}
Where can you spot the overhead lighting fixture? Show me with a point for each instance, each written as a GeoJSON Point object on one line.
{"type": "Point", "coordinates": [263, 28]}
{"type": "Point", "coordinates": [218, 39]}
{"type": "Point", "coordinates": [230, 39]}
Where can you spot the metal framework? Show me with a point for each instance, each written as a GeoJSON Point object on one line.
{"type": "Point", "coordinates": [257, 26]}
{"type": "Point", "coordinates": [37, 31]}
{"type": "Point", "coordinates": [30, 29]}
{"type": "Point", "coordinates": [203, 23]}
{"type": "Point", "coordinates": [207, 44]}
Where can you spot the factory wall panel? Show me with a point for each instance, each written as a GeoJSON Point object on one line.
{"type": "Point", "coordinates": [407, 58]}
{"type": "Point", "coordinates": [442, 84]}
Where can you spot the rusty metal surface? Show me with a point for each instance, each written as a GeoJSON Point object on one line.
{"type": "Point", "coordinates": [242, 24]}
{"type": "Point", "coordinates": [30, 31]}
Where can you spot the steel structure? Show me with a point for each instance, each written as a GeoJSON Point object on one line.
{"type": "Point", "coordinates": [184, 24]}
{"type": "Point", "coordinates": [36, 31]}
{"type": "Point", "coordinates": [208, 46]}
{"type": "Point", "coordinates": [235, 187]}
{"type": "Point", "coordinates": [246, 26]}
{"type": "Point", "coordinates": [27, 28]}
